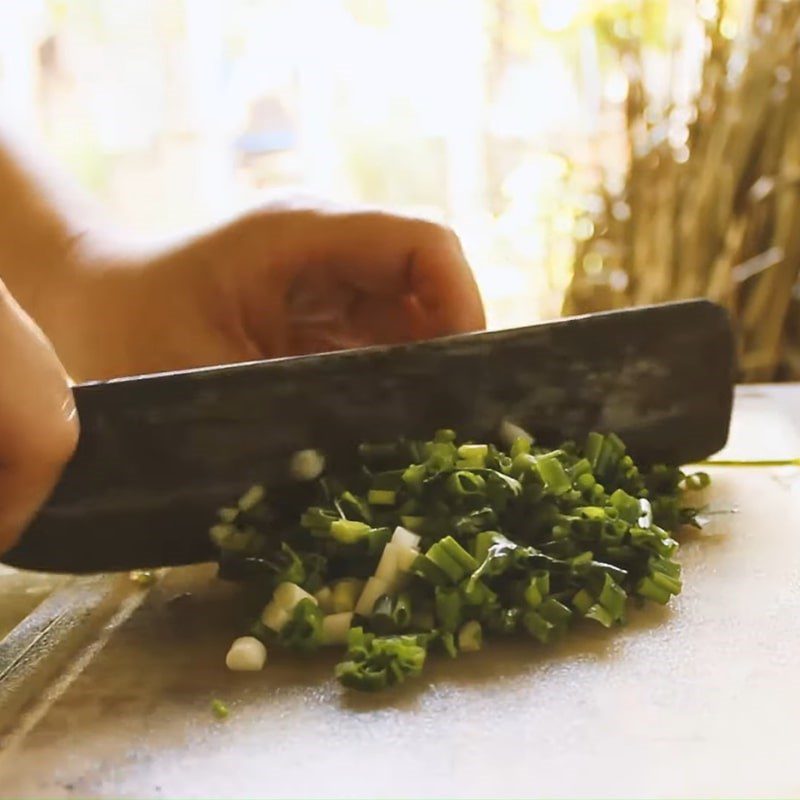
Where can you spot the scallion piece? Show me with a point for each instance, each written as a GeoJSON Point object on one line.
{"type": "Point", "coordinates": [537, 626]}
{"type": "Point", "coordinates": [600, 614]}
{"type": "Point", "coordinates": [446, 563]}
{"type": "Point", "coordinates": [553, 475]}
{"type": "Point", "coordinates": [219, 709]}
{"type": "Point", "coordinates": [479, 451]}
{"type": "Point", "coordinates": [463, 482]}
{"type": "Point", "coordinates": [448, 608]}
{"type": "Point", "coordinates": [303, 631]}
{"type": "Point", "coordinates": [251, 498]}
{"type": "Point", "coordinates": [649, 589]}
{"type": "Point", "coordinates": [402, 611]}
{"type": "Point", "coordinates": [348, 531]}
{"type": "Point", "coordinates": [381, 497]}
{"type": "Point", "coordinates": [470, 637]}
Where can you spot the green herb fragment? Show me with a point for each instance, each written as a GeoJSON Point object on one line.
{"type": "Point", "coordinates": [219, 709]}
{"type": "Point", "coordinates": [348, 531]}
{"type": "Point", "coordinates": [470, 637]}
{"type": "Point", "coordinates": [381, 497]}
{"type": "Point", "coordinates": [251, 498]}
{"type": "Point", "coordinates": [448, 608]}
{"type": "Point", "coordinates": [402, 611]}
{"type": "Point", "coordinates": [553, 474]}
{"type": "Point", "coordinates": [379, 662]}
{"type": "Point", "coordinates": [303, 630]}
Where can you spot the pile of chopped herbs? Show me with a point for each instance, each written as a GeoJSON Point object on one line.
{"type": "Point", "coordinates": [441, 546]}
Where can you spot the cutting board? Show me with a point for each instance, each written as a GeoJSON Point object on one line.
{"type": "Point", "coordinates": [698, 699]}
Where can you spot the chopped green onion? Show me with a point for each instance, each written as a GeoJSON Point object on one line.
{"type": "Point", "coordinates": [414, 476]}
{"type": "Point", "coordinates": [228, 515]}
{"type": "Point", "coordinates": [353, 507]}
{"type": "Point", "coordinates": [219, 709]}
{"type": "Point", "coordinates": [251, 498]}
{"type": "Point", "coordinates": [448, 608]}
{"type": "Point", "coordinates": [626, 506]}
{"type": "Point", "coordinates": [473, 451]}
{"type": "Point", "coordinates": [600, 614]}
{"type": "Point", "coordinates": [402, 611]}
{"type": "Point", "coordinates": [446, 563]}
{"type": "Point", "coordinates": [413, 524]}
{"type": "Point", "coordinates": [613, 598]}
{"type": "Point", "coordinates": [307, 465]}
{"type": "Point", "coordinates": [448, 642]}
{"type": "Point", "coordinates": [555, 612]}
{"type": "Point", "coordinates": [303, 631]}
{"type": "Point", "coordinates": [318, 520]}
{"type": "Point", "coordinates": [652, 591]}
{"type": "Point", "coordinates": [382, 619]}
{"type": "Point", "coordinates": [470, 637]}
{"type": "Point", "coordinates": [463, 482]}
{"type": "Point", "coordinates": [433, 543]}
{"type": "Point", "coordinates": [381, 497]}
{"type": "Point", "coordinates": [537, 626]}
{"type": "Point", "coordinates": [348, 531]}
{"type": "Point", "coordinates": [324, 598]}
{"type": "Point", "coordinates": [374, 588]}
{"type": "Point", "coordinates": [378, 662]}
{"type": "Point", "coordinates": [335, 628]}
{"type": "Point", "coordinates": [520, 445]}
{"type": "Point", "coordinates": [514, 437]}
{"type": "Point", "coordinates": [476, 593]}
{"type": "Point", "coordinates": [553, 475]}
{"type": "Point", "coordinates": [429, 571]}
{"type": "Point", "coordinates": [582, 601]}
{"type": "Point", "coordinates": [345, 594]}
{"type": "Point", "coordinates": [246, 654]}
{"type": "Point", "coordinates": [453, 549]}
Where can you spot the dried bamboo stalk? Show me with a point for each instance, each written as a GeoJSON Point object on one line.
{"type": "Point", "coordinates": [726, 223]}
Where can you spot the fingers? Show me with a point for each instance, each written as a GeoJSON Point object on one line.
{"type": "Point", "coordinates": [386, 255]}
{"type": "Point", "coordinates": [38, 423]}
{"type": "Point", "coordinates": [443, 283]}
{"type": "Point", "coordinates": [380, 256]}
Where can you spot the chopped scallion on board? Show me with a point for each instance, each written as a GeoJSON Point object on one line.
{"type": "Point", "coordinates": [443, 546]}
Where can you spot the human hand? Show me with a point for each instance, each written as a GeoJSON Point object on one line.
{"type": "Point", "coordinates": [277, 282]}
{"type": "Point", "coordinates": [38, 423]}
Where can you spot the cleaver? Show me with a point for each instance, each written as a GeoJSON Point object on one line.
{"type": "Point", "coordinates": [158, 454]}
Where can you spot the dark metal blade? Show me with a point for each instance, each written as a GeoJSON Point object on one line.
{"type": "Point", "coordinates": [157, 455]}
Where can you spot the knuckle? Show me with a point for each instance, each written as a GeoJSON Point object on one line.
{"type": "Point", "coordinates": [439, 235]}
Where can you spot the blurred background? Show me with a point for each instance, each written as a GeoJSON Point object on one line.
{"type": "Point", "coordinates": [590, 153]}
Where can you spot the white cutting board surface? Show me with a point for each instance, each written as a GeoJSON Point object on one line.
{"type": "Point", "coordinates": [701, 699]}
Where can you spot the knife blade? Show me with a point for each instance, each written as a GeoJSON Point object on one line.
{"type": "Point", "coordinates": [158, 454]}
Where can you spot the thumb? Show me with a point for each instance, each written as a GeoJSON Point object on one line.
{"type": "Point", "coordinates": [38, 421]}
